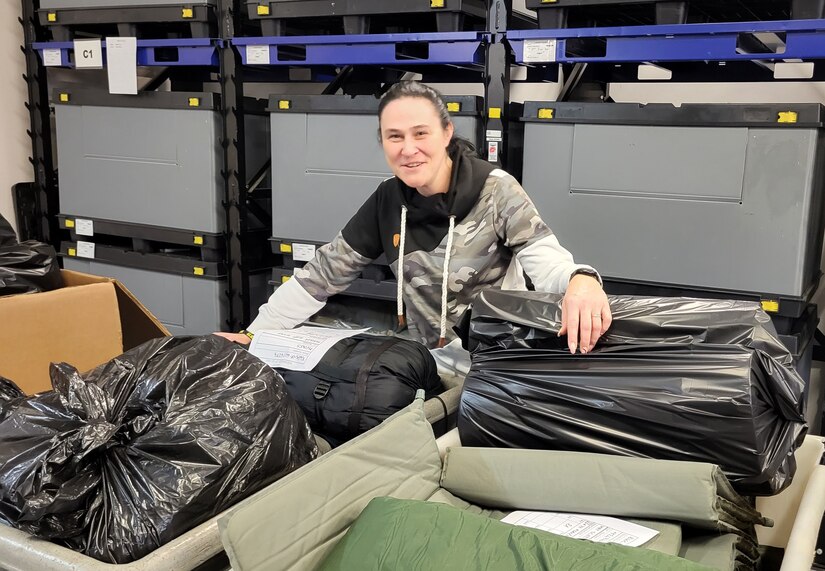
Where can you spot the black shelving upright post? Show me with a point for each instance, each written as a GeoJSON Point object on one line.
{"type": "Point", "coordinates": [39, 221]}
{"type": "Point", "coordinates": [231, 83]}
{"type": "Point", "coordinates": [497, 82]}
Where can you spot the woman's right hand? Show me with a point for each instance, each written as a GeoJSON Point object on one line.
{"type": "Point", "coordinates": [241, 338]}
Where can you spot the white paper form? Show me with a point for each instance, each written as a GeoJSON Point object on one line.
{"type": "Point", "coordinates": [121, 65]}
{"type": "Point", "coordinates": [298, 349]}
{"type": "Point", "coordinates": [596, 528]}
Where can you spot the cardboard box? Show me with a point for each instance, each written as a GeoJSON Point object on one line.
{"type": "Point", "coordinates": [85, 323]}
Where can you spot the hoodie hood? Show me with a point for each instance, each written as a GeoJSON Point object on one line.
{"type": "Point", "coordinates": [428, 217]}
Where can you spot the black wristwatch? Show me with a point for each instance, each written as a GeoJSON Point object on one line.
{"type": "Point", "coordinates": [588, 272]}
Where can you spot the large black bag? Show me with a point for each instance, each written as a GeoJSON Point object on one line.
{"type": "Point", "coordinates": [361, 381]}
{"type": "Point", "coordinates": [143, 448]}
{"type": "Point", "coordinates": [7, 235]}
{"type": "Point", "coordinates": [26, 267]}
{"type": "Point", "coordinates": [674, 378]}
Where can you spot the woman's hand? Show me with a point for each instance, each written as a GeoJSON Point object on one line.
{"type": "Point", "coordinates": [585, 313]}
{"type": "Point", "coordinates": [241, 338]}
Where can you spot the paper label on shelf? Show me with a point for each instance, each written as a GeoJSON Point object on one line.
{"type": "Point", "coordinates": [257, 55]}
{"type": "Point", "coordinates": [86, 250]}
{"type": "Point", "coordinates": [88, 54]}
{"type": "Point", "coordinates": [302, 252]}
{"type": "Point", "coordinates": [52, 57]}
{"type": "Point", "coordinates": [84, 227]}
{"type": "Point", "coordinates": [492, 151]}
{"type": "Point", "coordinates": [494, 135]}
{"type": "Point", "coordinates": [596, 528]}
{"type": "Point", "coordinates": [298, 349]}
{"type": "Point", "coordinates": [121, 65]}
{"type": "Point", "coordinates": [539, 51]}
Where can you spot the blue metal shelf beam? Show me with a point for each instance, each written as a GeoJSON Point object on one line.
{"type": "Point", "coordinates": [803, 39]}
{"type": "Point", "coordinates": [186, 51]}
{"type": "Point", "coordinates": [451, 48]}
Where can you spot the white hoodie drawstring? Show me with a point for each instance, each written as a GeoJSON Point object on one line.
{"type": "Point", "coordinates": [445, 281]}
{"type": "Point", "coordinates": [400, 279]}
{"type": "Point", "coordinates": [445, 277]}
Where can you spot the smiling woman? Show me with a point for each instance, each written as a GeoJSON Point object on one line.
{"type": "Point", "coordinates": [450, 225]}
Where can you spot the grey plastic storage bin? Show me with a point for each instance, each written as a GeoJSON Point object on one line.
{"type": "Point", "coordinates": [717, 197]}
{"type": "Point", "coordinates": [186, 305]}
{"type": "Point", "coordinates": [328, 159]}
{"type": "Point", "coordinates": [151, 159]}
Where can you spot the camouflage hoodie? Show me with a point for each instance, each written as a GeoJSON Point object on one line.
{"type": "Point", "coordinates": [489, 223]}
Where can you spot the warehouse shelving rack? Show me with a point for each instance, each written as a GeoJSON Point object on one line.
{"type": "Point", "coordinates": [737, 50]}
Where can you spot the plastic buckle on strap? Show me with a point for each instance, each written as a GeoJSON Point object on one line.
{"type": "Point", "coordinates": [321, 390]}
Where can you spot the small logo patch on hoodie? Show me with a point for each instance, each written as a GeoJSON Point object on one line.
{"type": "Point", "coordinates": [396, 239]}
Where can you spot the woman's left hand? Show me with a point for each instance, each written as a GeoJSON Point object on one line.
{"type": "Point", "coordinates": [585, 313]}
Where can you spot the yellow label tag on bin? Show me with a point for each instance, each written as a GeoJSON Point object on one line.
{"type": "Point", "coordinates": [64, 97]}
{"type": "Point", "coordinates": [770, 305]}
{"type": "Point", "coordinates": [69, 223]}
{"type": "Point", "coordinates": [546, 113]}
{"type": "Point", "coordinates": [72, 252]}
{"type": "Point", "coordinates": [285, 279]}
{"type": "Point", "coordinates": [263, 9]}
{"type": "Point", "coordinates": [787, 117]}
{"type": "Point", "coordinates": [283, 104]}
{"type": "Point", "coordinates": [197, 240]}
{"type": "Point", "coordinates": [494, 113]}
{"type": "Point", "coordinates": [198, 271]}
{"type": "Point", "coordinates": [286, 248]}
{"type": "Point", "coordinates": [51, 16]}
{"type": "Point", "coordinates": [453, 106]}
{"type": "Point", "coordinates": [187, 13]}
{"type": "Point", "coordinates": [436, 3]}
{"type": "Point", "coordinates": [549, 1]}
{"type": "Point", "coordinates": [194, 102]}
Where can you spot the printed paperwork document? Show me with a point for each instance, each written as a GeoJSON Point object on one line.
{"type": "Point", "coordinates": [298, 349]}
{"type": "Point", "coordinates": [596, 528]}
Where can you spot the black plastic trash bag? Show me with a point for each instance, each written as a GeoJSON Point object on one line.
{"type": "Point", "coordinates": [10, 395]}
{"type": "Point", "coordinates": [26, 267]}
{"type": "Point", "coordinates": [673, 378]}
{"type": "Point", "coordinates": [147, 446]}
{"type": "Point", "coordinates": [7, 235]}
{"type": "Point", "coordinates": [361, 381]}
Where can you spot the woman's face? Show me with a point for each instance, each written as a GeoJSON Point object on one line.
{"type": "Point", "coordinates": [415, 144]}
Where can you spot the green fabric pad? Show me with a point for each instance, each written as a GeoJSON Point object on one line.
{"type": "Point", "coordinates": [406, 535]}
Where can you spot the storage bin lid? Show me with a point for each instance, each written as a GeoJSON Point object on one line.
{"type": "Point", "coordinates": [359, 104]}
{"type": "Point", "coordinates": [780, 115]}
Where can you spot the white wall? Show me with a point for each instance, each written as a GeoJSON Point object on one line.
{"type": "Point", "coordinates": [15, 145]}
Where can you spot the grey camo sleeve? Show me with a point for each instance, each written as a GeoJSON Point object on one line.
{"type": "Point", "coordinates": [331, 271]}
{"type": "Point", "coordinates": [537, 249]}
{"type": "Point", "coordinates": [335, 266]}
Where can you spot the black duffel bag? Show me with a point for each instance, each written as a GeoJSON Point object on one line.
{"type": "Point", "coordinates": [361, 381]}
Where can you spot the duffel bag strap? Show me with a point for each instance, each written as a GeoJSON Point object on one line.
{"type": "Point", "coordinates": [361, 384]}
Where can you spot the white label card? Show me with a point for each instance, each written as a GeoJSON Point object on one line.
{"type": "Point", "coordinates": [492, 151]}
{"type": "Point", "coordinates": [494, 135]}
{"type": "Point", "coordinates": [539, 51]}
{"type": "Point", "coordinates": [52, 57]}
{"type": "Point", "coordinates": [257, 55]}
{"type": "Point", "coordinates": [596, 528]}
{"type": "Point", "coordinates": [298, 349]}
{"type": "Point", "coordinates": [303, 252]}
{"type": "Point", "coordinates": [86, 250]}
{"type": "Point", "coordinates": [83, 227]}
{"type": "Point", "coordinates": [121, 65]}
{"type": "Point", "coordinates": [88, 54]}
